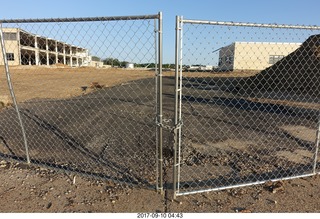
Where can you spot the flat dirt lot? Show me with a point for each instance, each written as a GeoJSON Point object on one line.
{"type": "Point", "coordinates": [30, 189]}
{"type": "Point", "coordinates": [49, 92]}
{"type": "Point", "coordinates": [60, 82]}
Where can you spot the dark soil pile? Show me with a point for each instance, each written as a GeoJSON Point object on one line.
{"type": "Point", "coordinates": [299, 72]}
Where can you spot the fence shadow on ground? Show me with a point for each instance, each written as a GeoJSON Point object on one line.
{"type": "Point", "coordinates": [124, 176]}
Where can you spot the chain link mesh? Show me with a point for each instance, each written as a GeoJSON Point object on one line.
{"type": "Point", "coordinates": [86, 93]}
{"type": "Point", "coordinates": [249, 104]}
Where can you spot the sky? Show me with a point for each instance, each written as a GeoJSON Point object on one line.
{"type": "Point", "coordinates": [304, 12]}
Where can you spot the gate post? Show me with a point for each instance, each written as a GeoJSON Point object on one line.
{"type": "Point", "coordinates": [177, 109]}
{"type": "Point", "coordinates": [159, 111]}
{"type": "Point", "coordinates": [6, 65]}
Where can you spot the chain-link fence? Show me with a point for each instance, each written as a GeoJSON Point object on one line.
{"type": "Point", "coordinates": [84, 95]}
{"type": "Point", "coordinates": [247, 104]}
{"type": "Point", "coordinates": [87, 95]}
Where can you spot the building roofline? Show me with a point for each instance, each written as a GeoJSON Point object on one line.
{"type": "Point", "coordinates": [39, 36]}
{"type": "Point", "coordinates": [281, 43]}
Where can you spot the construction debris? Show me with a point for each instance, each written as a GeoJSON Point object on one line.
{"type": "Point", "coordinates": [5, 101]}
{"type": "Point", "coordinates": [275, 187]}
{"type": "Point", "coordinates": [96, 85]}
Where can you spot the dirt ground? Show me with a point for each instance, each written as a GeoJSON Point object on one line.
{"type": "Point", "coordinates": [63, 82]}
{"type": "Point", "coordinates": [33, 189]}
{"type": "Point", "coordinates": [36, 82]}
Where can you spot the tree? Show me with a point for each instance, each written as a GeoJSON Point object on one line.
{"type": "Point", "coordinates": [95, 58]}
{"type": "Point", "coordinates": [123, 63]}
{"type": "Point", "coordinates": [111, 61]}
{"type": "Point", "coordinates": [168, 65]}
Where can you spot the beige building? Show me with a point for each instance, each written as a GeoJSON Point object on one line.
{"type": "Point", "coordinates": [253, 55]}
{"type": "Point", "coordinates": [24, 48]}
{"type": "Point", "coordinates": [97, 64]}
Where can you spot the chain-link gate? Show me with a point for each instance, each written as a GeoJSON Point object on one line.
{"type": "Point", "coordinates": [247, 104]}
{"type": "Point", "coordinates": [86, 96]}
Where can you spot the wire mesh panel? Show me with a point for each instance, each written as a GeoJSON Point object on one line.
{"type": "Point", "coordinates": [248, 99]}
{"type": "Point", "coordinates": [87, 92]}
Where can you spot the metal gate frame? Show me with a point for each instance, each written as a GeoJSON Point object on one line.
{"type": "Point", "coordinates": [158, 44]}
{"type": "Point", "coordinates": [178, 120]}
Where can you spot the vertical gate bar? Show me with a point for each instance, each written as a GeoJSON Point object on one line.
{"type": "Point", "coordinates": [317, 147]}
{"type": "Point", "coordinates": [6, 65]}
{"type": "Point", "coordinates": [176, 106]}
{"type": "Point", "coordinates": [156, 102]}
{"type": "Point", "coordinates": [180, 101]}
{"type": "Point", "coordinates": [160, 104]}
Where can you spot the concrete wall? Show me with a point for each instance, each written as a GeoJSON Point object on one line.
{"type": "Point", "coordinates": [11, 46]}
{"type": "Point", "coordinates": [96, 64]}
{"type": "Point", "coordinates": [256, 56]}
{"type": "Point", "coordinates": [253, 55]}
{"type": "Point", "coordinates": [299, 72]}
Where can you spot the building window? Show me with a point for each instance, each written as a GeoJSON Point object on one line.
{"type": "Point", "coordinates": [229, 59]}
{"type": "Point", "coordinates": [9, 36]}
{"type": "Point", "coordinates": [10, 56]}
{"type": "Point", "coordinates": [275, 58]}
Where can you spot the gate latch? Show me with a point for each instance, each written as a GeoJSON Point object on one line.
{"type": "Point", "coordinates": [171, 127]}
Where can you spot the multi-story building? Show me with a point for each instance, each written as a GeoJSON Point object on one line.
{"type": "Point", "coordinates": [253, 55]}
{"type": "Point", "coordinates": [24, 48]}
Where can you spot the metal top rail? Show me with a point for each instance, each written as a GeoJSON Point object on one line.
{"type": "Point", "coordinates": [83, 19]}
{"type": "Point", "coordinates": [244, 24]}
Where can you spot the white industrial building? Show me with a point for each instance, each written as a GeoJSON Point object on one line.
{"type": "Point", "coordinates": [253, 55]}
{"type": "Point", "coordinates": [24, 48]}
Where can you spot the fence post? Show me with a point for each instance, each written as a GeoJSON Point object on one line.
{"type": "Point", "coordinates": [177, 110]}
{"type": "Point", "coordinates": [6, 65]}
{"type": "Point", "coordinates": [316, 147]}
{"type": "Point", "coordinates": [160, 116]}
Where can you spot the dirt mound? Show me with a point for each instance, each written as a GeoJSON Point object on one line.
{"type": "Point", "coordinates": [299, 72]}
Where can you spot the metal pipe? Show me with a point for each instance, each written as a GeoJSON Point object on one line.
{"type": "Point", "coordinates": [244, 24]}
{"type": "Point", "coordinates": [83, 19]}
{"type": "Point", "coordinates": [157, 108]}
{"type": "Point", "coordinates": [243, 185]}
{"type": "Point", "coordinates": [316, 147]}
{"type": "Point", "coordinates": [180, 101]}
{"type": "Point", "coordinates": [176, 106]}
{"type": "Point", "coordinates": [6, 65]}
{"type": "Point", "coordinates": [160, 104]}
